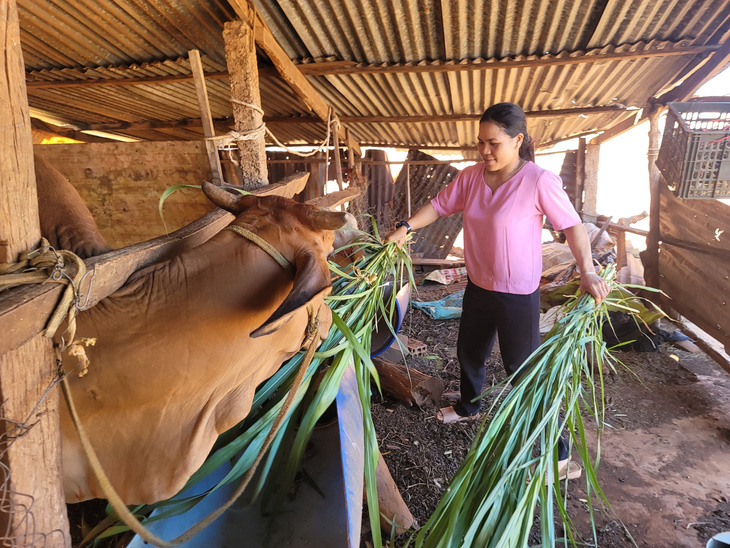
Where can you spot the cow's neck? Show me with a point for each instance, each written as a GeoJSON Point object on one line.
{"type": "Point", "coordinates": [226, 277]}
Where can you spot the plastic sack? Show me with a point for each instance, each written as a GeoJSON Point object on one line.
{"type": "Point", "coordinates": [448, 308]}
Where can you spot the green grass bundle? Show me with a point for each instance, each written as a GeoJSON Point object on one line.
{"type": "Point", "coordinates": [357, 301]}
{"type": "Point", "coordinates": [508, 470]}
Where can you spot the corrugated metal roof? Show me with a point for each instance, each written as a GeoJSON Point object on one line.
{"type": "Point", "coordinates": [112, 39]}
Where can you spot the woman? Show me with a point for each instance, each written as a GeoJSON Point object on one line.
{"type": "Point", "coordinates": [504, 199]}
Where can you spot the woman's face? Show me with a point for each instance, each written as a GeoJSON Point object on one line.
{"type": "Point", "coordinates": [497, 149]}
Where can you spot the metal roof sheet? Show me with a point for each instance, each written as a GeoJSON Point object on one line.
{"type": "Point", "coordinates": [112, 39]}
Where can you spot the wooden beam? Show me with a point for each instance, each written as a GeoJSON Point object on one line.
{"type": "Point", "coordinates": [616, 130]}
{"type": "Point", "coordinates": [352, 67]}
{"type": "Point", "coordinates": [69, 133]}
{"type": "Point", "coordinates": [196, 65]}
{"type": "Point", "coordinates": [335, 199]}
{"type": "Point", "coordinates": [33, 511]}
{"type": "Point", "coordinates": [137, 81]}
{"type": "Point", "coordinates": [226, 122]}
{"type": "Point", "coordinates": [410, 119]}
{"type": "Point", "coordinates": [24, 311]}
{"type": "Point", "coordinates": [222, 124]}
{"type": "Point", "coordinates": [461, 65]}
{"type": "Point", "coordinates": [711, 67]}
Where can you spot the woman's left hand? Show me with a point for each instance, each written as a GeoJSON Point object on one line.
{"type": "Point", "coordinates": [595, 285]}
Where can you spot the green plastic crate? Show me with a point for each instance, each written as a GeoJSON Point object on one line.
{"type": "Point", "coordinates": [694, 157]}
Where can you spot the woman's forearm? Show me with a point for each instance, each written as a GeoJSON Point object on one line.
{"type": "Point", "coordinates": [425, 215]}
{"type": "Point", "coordinates": [580, 246]}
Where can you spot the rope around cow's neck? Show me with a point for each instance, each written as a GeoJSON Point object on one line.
{"type": "Point", "coordinates": [118, 504]}
{"type": "Point", "coordinates": [113, 497]}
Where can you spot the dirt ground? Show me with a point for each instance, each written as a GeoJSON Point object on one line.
{"type": "Point", "coordinates": [665, 465]}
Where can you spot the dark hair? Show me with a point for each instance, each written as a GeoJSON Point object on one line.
{"type": "Point", "coordinates": [511, 118]}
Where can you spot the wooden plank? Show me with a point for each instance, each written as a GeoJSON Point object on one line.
{"type": "Point", "coordinates": [698, 287]}
{"type": "Point", "coordinates": [711, 346]}
{"type": "Point", "coordinates": [335, 199]}
{"type": "Point", "coordinates": [32, 508]}
{"type": "Point", "coordinates": [702, 223]}
{"type": "Point", "coordinates": [624, 228]}
{"type": "Point", "coordinates": [24, 311]}
{"type": "Point", "coordinates": [204, 105]}
{"type": "Point", "coordinates": [422, 261]}
{"type": "Point", "coordinates": [288, 187]}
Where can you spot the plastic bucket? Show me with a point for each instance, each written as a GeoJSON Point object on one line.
{"type": "Point", "coordinates": [720, 540]}
{"type": "Point", "coordinates": [383, 338]}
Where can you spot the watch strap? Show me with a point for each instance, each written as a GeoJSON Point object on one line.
{"type": "Point", "coordinates": [403, 223]}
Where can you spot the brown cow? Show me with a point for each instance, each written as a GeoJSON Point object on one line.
{"type": "Point", "coordinates": [182, 346]}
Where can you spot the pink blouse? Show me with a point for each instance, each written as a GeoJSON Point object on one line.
{"type": "Point", "coordinates": [502, 230]}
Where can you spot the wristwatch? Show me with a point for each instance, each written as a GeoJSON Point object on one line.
{"type": "Point", "coordinates": [405, 224]}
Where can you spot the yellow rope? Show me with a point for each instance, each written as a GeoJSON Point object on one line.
{"type": "Point", "coordinates": [46, 264]}
{"type": "Point", "coordinates": [263, 244]}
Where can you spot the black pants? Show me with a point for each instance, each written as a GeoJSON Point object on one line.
{"type": "Point", "coordinates": [486, 315]}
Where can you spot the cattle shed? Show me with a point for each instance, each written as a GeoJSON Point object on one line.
{"type": "Point", "coordinates": [161, 92]}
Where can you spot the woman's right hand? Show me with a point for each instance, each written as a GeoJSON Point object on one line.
{"type": "Point", "coordinates": [398, 236]}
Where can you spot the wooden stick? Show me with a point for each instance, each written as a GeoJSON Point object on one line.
{"type": "Point", "coordinates": [213, 159]}
{"type": "Point", "coordinates": [392, 506]}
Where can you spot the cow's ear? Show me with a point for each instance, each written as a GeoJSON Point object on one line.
{"type": "Point", "coordinates": [312, 278]}
{"type": "Point", "coordinates": [235, 203]}
{"type": "Point", "coordinates": [323, 219]}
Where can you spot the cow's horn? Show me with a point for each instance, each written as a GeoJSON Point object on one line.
{"type": "Point", "coordinates": [222, 198]}
{"type": "Point", "coordinates": [327, 220]}
{"type": "Point", "coordinates": [312, 278]}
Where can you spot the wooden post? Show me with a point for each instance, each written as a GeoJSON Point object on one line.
{"type": "Point", "coordinates": [349, 141]}
{"type": "Point", "coordinates": [580, 174]}
{"type": "Point", "coordinates": [244, 75]}
{"type": "Point", "coordinates": [336, 146]}
{"type": "Point", "coordinates": [196, 66]}
{"type": "Point", "coordinates": [31, 493]}
{"type": "Point", "coordinates": [651, 255]}
{"type": "Point", "coordinates": [590, 179]}
{"type": "Point", "coordinates": [408, 190]}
